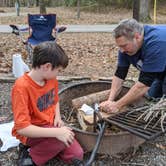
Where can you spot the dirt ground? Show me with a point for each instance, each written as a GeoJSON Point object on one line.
{"type": "Point", "coordinates": [90, 54]}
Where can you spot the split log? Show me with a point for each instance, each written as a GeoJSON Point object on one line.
{"type": "Point", "coordinates": [88, 119]}
{"type": "Point", "coordinates": [90, 99]}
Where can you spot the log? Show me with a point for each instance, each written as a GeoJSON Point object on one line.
{"type": "Point", "coordinates": [90, 99]}
{"type": "Point", "coordinates": [88, 119]}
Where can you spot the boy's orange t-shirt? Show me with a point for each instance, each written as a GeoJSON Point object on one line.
{"type": "Point", "coordinates": [33, 104]}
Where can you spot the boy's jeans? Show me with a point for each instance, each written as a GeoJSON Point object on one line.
{"type": "Point", "coordinates": [44, 149]}
{"type": "Point", "coordinates": [157, 89]}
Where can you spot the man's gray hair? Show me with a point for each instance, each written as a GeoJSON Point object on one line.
{"type": "Point", "coordinates": [128, 28]}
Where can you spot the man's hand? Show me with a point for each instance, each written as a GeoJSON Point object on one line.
{"type": "Point", "coordinates": [65, 135]}
{"type": "Point", "coordinates": [109, 106]}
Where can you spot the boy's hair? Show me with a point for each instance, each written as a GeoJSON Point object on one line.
{"type": "Point", "coordinates": [49, 52]}
{"type": "Point", "coordinates": [128, 28]}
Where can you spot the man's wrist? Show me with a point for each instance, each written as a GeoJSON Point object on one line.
{"type": "Point", "coordinates": [119, 104]}
{"type": "Point", "coordinates": [111, 100]}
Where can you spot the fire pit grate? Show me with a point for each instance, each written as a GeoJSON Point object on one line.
{"type": "Point", "coordinates": [128, 122]}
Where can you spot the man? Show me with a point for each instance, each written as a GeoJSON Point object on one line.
{"type": "Point", "coordinates": [145, 48]}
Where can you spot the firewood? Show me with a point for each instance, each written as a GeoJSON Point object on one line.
{"type": "Point", "coordinates": [154, 111]}
{"type": "Point", "coordinates": [89, 118]}
{"type": "Point", "coordinates": [81, 121]}
{"type": "Point", "coordinates": [90, 99]}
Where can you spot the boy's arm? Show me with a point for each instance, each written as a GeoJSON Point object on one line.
{"type": "Point", "coordinates": [63, 134]}
{"type": "Point", "coordinates": [25, 128]}
{"type": "Point", "coordinates": [57, 120]}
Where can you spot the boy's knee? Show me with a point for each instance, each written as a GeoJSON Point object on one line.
{"type": "Point", "coordinates": [77, 159]}
{"type": "Point", "coordinates": [79, 154]}
{"type": "Point", "coordinates": [72, 153]}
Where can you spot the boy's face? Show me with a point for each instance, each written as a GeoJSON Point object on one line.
{"type": "Point", "coordinates": [48, 72]}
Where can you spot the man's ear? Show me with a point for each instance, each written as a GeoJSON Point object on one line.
{"type": "Point", "coordinates": [137, 36]}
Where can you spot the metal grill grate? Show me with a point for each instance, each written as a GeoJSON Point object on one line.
{"type": "Point", "coordinates": [128, 122]}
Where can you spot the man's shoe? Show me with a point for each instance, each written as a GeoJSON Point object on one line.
{"type": "Point", "coordinates": [24, 157]}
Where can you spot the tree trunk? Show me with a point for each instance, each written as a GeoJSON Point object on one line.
{"type": "Point", "coordinates": [78, 9]}
{"type": "Point", "coordinates": [17, 7]}
{"type": "Point", "coordinates": [144, 10]}
{"type": "Point", "coordinates": [30, 3]}
{"type": "Point", "coordinates": [37, 2]}
{"type": "Point", "coordinates": [141, 10]}
{"type": "Point", "coordinates": [42, 7]}
{"type": "Point", "coordinates": [136, 5]}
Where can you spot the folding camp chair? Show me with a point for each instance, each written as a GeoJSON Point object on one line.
{"type": "Point", "coordinates": [41, 28]}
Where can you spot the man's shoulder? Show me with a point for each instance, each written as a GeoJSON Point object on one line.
{"type": "Point", "coordinates": [154, 33]}
{"type": "Point", "coordinates": [155, 27]}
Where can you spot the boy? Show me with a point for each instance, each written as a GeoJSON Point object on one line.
{"type": "Point", "coordinates": [36, 111]}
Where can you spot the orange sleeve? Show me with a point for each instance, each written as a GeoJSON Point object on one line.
{"type": "Point", "coordinates": [20, 108]}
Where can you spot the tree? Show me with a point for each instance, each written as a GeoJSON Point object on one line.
{"type": "Point", "coordinates": [141, 10]}
{"type": "Point", "coordinates": [37, 2]}
{"type": "Point", "coordinates": [78, 9]}
{"type": "Point", "coordinates": [17, 7]}
{"type": "Point", "coordinates": [42, 7]}
{"type": "Point", "coordinates": [30, 3]}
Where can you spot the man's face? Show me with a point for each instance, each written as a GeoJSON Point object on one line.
{"type": "Point", "coordinates": [130, 47]}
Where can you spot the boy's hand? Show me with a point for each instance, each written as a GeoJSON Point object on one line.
{"type": "Point", "coordinates": [65, 135]}
{"type": "Point", "coordinates": [58, 122]}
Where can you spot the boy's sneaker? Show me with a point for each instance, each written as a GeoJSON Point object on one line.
{"type": "Point", "coordinates": [77, 162]}
{"type": "Point", "coordinates": [24, 157]}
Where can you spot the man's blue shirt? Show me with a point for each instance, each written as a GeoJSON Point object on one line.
{"type": "Point", "coordinates": [152, 55]}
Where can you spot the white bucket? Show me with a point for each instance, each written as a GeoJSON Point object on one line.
{"type": "Point", "coordinates": [19, 67]}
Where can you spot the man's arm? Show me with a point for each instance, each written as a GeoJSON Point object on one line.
{"type": "Point", "coordinates": [136, 91]}
{"type": "Point", "coordinates": [117, 82]}
{"type": "Point", "coordinates": [114, 92]}
{"type": "Point", "coordinates": [116, 87]}
{"type": "Point", "coordinates": [140, 88]}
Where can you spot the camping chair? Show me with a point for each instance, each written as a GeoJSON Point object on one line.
{"type": "Point", "coordinates": [41, 28]}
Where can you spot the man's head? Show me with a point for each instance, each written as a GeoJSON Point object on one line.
{"type": "Point", "coordinates": [49, 57]}
{"type": "Point", "coordinates": [129, 36]}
